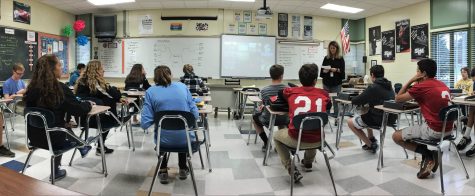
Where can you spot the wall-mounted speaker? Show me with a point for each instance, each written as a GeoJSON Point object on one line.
{"type": "Point", "coordinates": [365, 59]}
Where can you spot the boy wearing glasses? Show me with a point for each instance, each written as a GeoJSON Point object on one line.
{"type": "Point", "coordinates": [14, 85]}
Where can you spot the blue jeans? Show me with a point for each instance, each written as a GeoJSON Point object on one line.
{"type": "Point", "coordinates": [333, 89]}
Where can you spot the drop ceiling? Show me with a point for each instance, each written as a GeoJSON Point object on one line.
{"type": "Point", "coordinates": [310, 7]}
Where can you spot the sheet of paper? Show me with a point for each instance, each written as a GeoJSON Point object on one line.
{"type": "Point", "coordinates": [55, 47]}
{"type": "Point", "coordinates": [326, 67]}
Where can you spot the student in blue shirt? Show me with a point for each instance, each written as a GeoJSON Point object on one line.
{"type": "Point", "coordinates": [168, 95]}
{"type": "Point", "coordinates": [14, 85]}
{"type": "Point", "coordinates": [76, 74]}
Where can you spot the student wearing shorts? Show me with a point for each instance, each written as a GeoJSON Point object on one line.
{"type": "Point", "coordinates": [432, 95]}
{"type": "Point", "coordinates": [381, 90]}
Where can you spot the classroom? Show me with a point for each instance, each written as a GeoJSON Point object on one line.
{"type": "Point", "coordinates": [237, 97]}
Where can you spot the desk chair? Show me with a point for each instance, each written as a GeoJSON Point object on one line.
{"type": "Point", "coordinates": [242, 106]}
{"type": "Point", "coordinates": [450, 113]}
{"type": "Point", "coordinates": [7, 113]}
{"type": "Point", "coordinates": [179, 121]}
{"type": "Point", "coordinates": [310, 122]}
{"type": "Point", "coordinates": [44, 119]}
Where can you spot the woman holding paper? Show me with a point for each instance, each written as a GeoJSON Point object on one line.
{"type": "Point", "coordinates": [333, 71]}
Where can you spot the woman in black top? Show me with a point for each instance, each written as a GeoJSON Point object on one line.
{"type": "Point", "coordinates": [92, 86]}
{"type": "Point", "coordinates": [45, 91]}
{"type": "Point", "coordinates": [136, 79]}
{"type": "Point", "coordinates": [332, 77]}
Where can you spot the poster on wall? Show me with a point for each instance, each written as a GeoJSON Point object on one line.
{"type": "Point", "coordinates": [176, 26]}
{"type": "Point", "coordinates": [296, 27]}
{"type": "Point", "coordinates": [283, 24]}
{"type": "Point", "coordinates": [242, 28]}
{"type": "Point", "coordinates": [237, 16]}
{"type": "Point", "coordinates": [146, 25]}
{"type": "Point", "coordinates": [420, 41]}
{"type": "Point", "coordinates": [201, 26]}
{"type": "Point", "coordinates": [252, 29]}
{"type": "Point", "coordinates": [388, 53]}
{"type": "Point", "coordinates": [21, 12]}
{"type": "Point", "coordinates": [247, 16]}
{"type": "Point", "coordinates": [262, 29]}
{"type": "Point", "coordinates": [307, 27]}
{"type": "Point", "coordinates": [232, 28]}
{"type": "Point", "coordinates": [375, 40]}
{"type": "Point", "coordinates": [402, 37]}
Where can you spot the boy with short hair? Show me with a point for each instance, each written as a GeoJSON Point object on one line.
{"type": "Point", "coordinates": [432, 95]}
{"type": "Point", "coordinates": [301, 100]}
{"type": "Point", "coordinates": [381, 90]}
{"type": "Point", "coordinates": [14, 85]}
{"type": "Point", "coordinates": [262, 118]}
{"type": "Point", "coordinates": [76, 74]}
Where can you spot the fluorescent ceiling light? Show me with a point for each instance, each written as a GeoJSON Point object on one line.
{"type": "Point", "coordinates": [109, 2]}
{"type": "Point", "coordinates": [341, 8]}
{"type": "Point", "coordinates": [243, 0]}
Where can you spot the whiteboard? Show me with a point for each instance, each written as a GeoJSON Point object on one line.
{"type": "Point", "coordinates": [293, 55]}
{"type": "Point", "coordinates": [247, 56]}
{"type": "Point", "coordinates": [202, 53]}
{"type": "Point", "coordinates": [110, 55]}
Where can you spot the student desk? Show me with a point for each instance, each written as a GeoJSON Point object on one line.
{"type": "Point", "coordinates": [125, 107]}
{"type": "Point", "coordinates": [223, 96]}
{"type": "Point", "coordinates": [386, 112]}
{"type": "Point", "coordinates": [255, 100]}
{"type": "Point", "coordinates": [245, 95]}
{"type": "Point", "coordinates": [341, 115]}
{"type": "Point", "coordinates": [134, 93]}
{"type": "Point", "coordinates": [96, 111]}
{"type": "Point", "coordinates": [206, 99]}
{"type": "Point", "coordinates": [4, 107]}
{"type": "Point", "coordinates": [14, 183]}
{"type": "Point", "coordinates": [273, 115]}
{"type": "Point", "coordinates": [204, 111]}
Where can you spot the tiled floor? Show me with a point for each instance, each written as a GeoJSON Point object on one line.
{"type": "Point", "coordinates": [238, 169]}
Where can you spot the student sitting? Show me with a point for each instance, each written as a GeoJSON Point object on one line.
{"type": "Point", "coordinates": [168, 95]}
{"type": "Point", "coordinates": [14, 85]}
{"type": "Point", "coordinates": [380, 91]}
{"type": "Point", "coordinates": [92, 86]}
{"type": "Point", "coordinates": [302, 99]}
{"type": "Point", "coordinates": [76, 74]}
{"type": "Point", "coordinates": [4, 152]}
{"type": "Point", "coordinates": [45, 91]}
{"type": "Point", "coordinates": [432, 95]}
{"type": "Point", "coordinates": [136, 79]}
{"type": "Point", "coordinates": [193, 82]}
{"type": "Point", "coordinates": [466, 139]}
{"type": "Point", "coordinates": [466, 84]}
{"type": "Point", "coordinates": [261, 118]}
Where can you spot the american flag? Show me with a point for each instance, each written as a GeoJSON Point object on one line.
{"type": "Point", "coordinates": [345, 38]}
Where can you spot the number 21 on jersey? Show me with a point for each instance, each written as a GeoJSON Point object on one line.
{"type": "Point", "coordinates": [307, 105]}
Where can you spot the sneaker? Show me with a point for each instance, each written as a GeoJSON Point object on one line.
{"type": "Point", "coordinates": [306, 166]}
{"type": "Point", "coordinates": [470, 152]}
{"type": "Point", "coordinates": [297, 175]}
{"type": "Point", "coordinates": [106, 151]}
{"type": "Point", "coordinates": [183, 173]}
{"type": "Point", "coordinates": [84, 150]}
{"type": "Point", "coordinates": [5, 152]}
{"type": "Point", "coordinates": [373, 148]}
{"type": "Point", "coordinates": [463, 130]}
{"type": "Point", "coordinates": [59, 174]}
{"type": "Point", "coordinates": [163, 176]}
{"type": "Point", "coordinates": [373, 140]}
{"type": "Point", "coordinates": [463, 143]}
{"type": "Point", "coordinates": [427, 165]}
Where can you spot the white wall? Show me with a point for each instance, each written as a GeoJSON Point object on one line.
{"type": "Point", "coordinates": [402, 68]}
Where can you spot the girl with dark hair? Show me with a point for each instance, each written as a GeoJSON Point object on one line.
{"type": "Point", "coordinates": [466, 84]}
{"type": "Point", "coordinates": [45, 91]}
{"type": "Point", "coordinates": [168, 95]}
{"type": "Point", "coordinates": [136, 79]}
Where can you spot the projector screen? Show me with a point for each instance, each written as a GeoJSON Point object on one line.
{"type": "Point", "coordinates": [247, 56]}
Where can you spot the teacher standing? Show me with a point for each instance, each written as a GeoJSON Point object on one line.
{"type": "Point", "coordinates": [333, 71]}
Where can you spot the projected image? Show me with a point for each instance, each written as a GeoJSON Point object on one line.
{"type": "Point", "coordinates": [247, 56]}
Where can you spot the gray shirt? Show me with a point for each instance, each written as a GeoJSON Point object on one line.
{"type": "Point", "coordinates": [268, 92]}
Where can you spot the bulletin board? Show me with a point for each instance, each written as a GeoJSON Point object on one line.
{"type": "Point", "coordinates": [57, 45]}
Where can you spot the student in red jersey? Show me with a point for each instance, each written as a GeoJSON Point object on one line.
{"type": "Point", "coordinates": [432, 95]}
{"type": "Point", "coordinates": [302, 99]}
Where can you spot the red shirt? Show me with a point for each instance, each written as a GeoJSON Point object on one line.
{"type": "Point", "coordinates": [432, 95]}
{"type": "Point", "coordinates": [303, 100]}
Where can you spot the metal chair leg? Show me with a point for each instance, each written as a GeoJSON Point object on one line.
{"type": "Point", "coordinates": [75, 150]}
{"type": "Point", "coordinates": [329, 170]}
{"type": "Point", "coordinates": [292, 170]}
{"type": "Point", "coordinates": [127, 131]}
{"type": "Point", "coordinates": [405, 152]}
{"type": "Point", "coordinates": [331, 150]}
{"type": "Point", "coordinates": [460, 159]}
{"type": "Point", "coordinates": [207, 156]}
{"type": "Point", "coordinates": [27, 161]}
{"type": "Point", "coordinates": [201, 158]}
{"type": "Point", "coordinates": [255, 139]}
{"type": "Point", "coordinates": [192, 174]}
{"type": "Point", "coordinates": [160, 158]}
{"type": "Point", "coordinates": [439, 152]}
{"type": "Point", "coordinates": [52, 170]}
{"type": "Point", "coordinates": [132, 136]}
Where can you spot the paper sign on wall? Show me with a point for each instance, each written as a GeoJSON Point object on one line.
{"type": "Point", "coordinates": [31, 36]}
{"type": "Point", "coordinates": [146, 25]}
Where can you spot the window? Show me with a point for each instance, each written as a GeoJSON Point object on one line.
{"type": "Point", "coordinates": [450, 50]}
{"type": "Point", "coordinates": [354, 59]}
